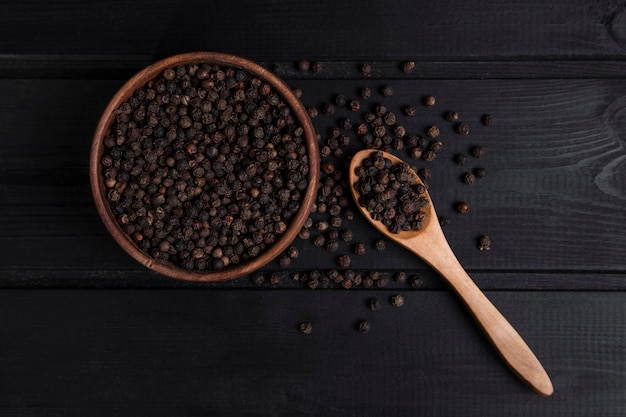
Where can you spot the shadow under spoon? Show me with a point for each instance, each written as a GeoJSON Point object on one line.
{"type": "Point", "coordinates": [430, 244]}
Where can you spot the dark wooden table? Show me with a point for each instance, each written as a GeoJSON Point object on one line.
{"type": "Point", "coordinates": [87, 331]}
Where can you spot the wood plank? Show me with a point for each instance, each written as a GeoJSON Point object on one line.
{"type": "Point", "coordinates": [240, 353]}
{"type": "Point", "coordinates": [552, 201]}
{"type": "Point", "coordinates": [282, 30]}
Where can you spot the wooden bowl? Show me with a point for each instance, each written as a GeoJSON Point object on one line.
{"type": "Point", "coordinates": [99, 189]}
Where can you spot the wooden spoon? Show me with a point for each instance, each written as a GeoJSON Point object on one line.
{"type": "Point", "coordinates": [431, 245]}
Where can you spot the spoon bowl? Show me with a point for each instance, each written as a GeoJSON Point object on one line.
{"type": "Point", "coordinates": [429, 243]}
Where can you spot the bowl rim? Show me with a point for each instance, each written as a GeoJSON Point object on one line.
{"type": "Point", "coordinates": [98, 187]}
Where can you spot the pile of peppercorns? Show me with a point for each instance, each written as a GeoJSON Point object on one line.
{"type": "Point", "coordinates": [204, 166]}
{"type": "Point", "coordinates": [392, 194]}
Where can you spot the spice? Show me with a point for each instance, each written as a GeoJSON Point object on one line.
{"type": "Point", "coordinates": [364, 327]}
{"type": "Point", "coordinates": [417, 282]}
{"type": "Point", "coordinates": [478, 152]}
{"type": "Point", "coordinates": [432, 132]}
{"type": "Point", "coordinates": [400, 277]}
{"type": "Point", "coordinates": [316, 66]}
{"type": "Point", "coordinates": [462, 207]}
{"type": "Point", "coordinates": [359, 248]}
{"type": "Point", "coordinates": [488, 119]}
{"type": "Point", "coordinates": [460, 159]}
{"type": "Point", "coordinates": [380, 245]}
{"type": "Point", "coordinates": [344, 261]}
{"type": "Point", "coordinates": [354, 105]}
{"type": "Point", "coordinates": [484, 242]}
{"type": "Point", "coordinates": [452, 116]}
{"type": "Point", "coordinates": [366, 70]}
{"type": "Point", "coordinates": [410, 111]}
{"type": "Point", "coordinates": [407, 66]}
{"type": "Point", "coordinates": [365, 93]}
{"type": "Point", "coordinates": [374, 304]}
{"type": "Point", "coordinates": [303, 65]}
{"type": "Point", "coordinates": [397, 300]}
{"type": "Point", "coordinates": [480, 172]}
{"type": "Point", "coordinates": [293, 252]}
{"type": "Point", "coordinates": [386, 91]}
{"type": "Point", "coordinates": [469, 178]}
{"type": "Point", "coordinates": [429, 100]}
{"type": "Point", "coordinates": [306, 327]}
{"type": "Point", "coordinates": [463, 128]}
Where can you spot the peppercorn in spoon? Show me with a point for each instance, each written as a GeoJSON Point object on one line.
{"type": "Point", "coordinates": [411, 221]}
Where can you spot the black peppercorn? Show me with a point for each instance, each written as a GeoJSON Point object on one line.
{"type": "Point", "coordinates": [480, 172]}
{"type": "Point", "coordinates": [360, 248]}
{"type": "Point", "coordinates": [380, 245]}
{"type": "Point", "coordinates": [452, 116]}
{"type": "Point", "coordinates": [364, 327]}
{"type": "Point", "coordinates": [316, 66]}
{"type": "Point", "coordinates": [410, 111]}
{"type": "Point", "coordinates": [303, 65]}
{"type": "Point", "coordinates": [365, 93]}
{"type": "Point", "coordinates": [460, 159]}
{"type": "Point", "coordinates": [397, 300]}
{"type": "Point", "coordinates": [344, 261]}
{"type": "Point", "coordinates": [488, 119]}
{"type": "Point", "coordinates": [463, 128]}
{"type": "Point", "coordinates": [386, 91]}
{"type": "Point", "coordinates": [374, 304]}
{"type": "Point", "coordinates": [477, 152]}
{"type": "Point", "coordinates": [407, 66]}
{"type": "Point", "coordinates": [469, 178]}
{"type": "Point", "coordinates": [332, 245]}
{"type": "Point", "coordinates": [306, 327]}
{"type": "Point", "coordinates": [484, 243]}
{"type": "Point", "coordinates": [462, 207]}
{"type": "Point", "coordinates": [429, 100]}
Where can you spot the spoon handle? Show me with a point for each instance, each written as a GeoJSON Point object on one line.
{"type": "Point", "coordinates": [500, 332]}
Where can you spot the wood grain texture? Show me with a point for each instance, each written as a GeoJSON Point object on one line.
{"type": "Point", "coordinates": [238, 353]}
{"type": "Point", "coordinates": [322, 30]}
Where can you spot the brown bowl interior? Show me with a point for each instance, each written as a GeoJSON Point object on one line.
{"type": "Point", "coordinates": [97, 181]}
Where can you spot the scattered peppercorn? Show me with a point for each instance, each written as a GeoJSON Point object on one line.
{"type": "Point", "coordinates": [463, 128]}
{"type": "Point", "coordinates": [364, 327]}
{"type": "Point", "coordinates": [275, 278]}
{"type": "Point", "coordinates": [444, 221]}
{"type": "Point", "coordinates": [462, 207]}
{"type": "Point", "coordinates": [386, 91]}
{"type": "Point", "coordinates": [354, 105]}
{"type": "Point", "coordinates": [366, 70]}
{"type": "Point", "coordinates": [332, 245]}
{"type": "Point", "coordinates": [484, 242]}
{"type": "Point", "coordinates": [397, 300]}
{"type": "Point", "coordinates": [316, 66]}
{"type": "Point", "coordinates": [478, 151]}
{"type": "Point", "coordinates": [344, 261]}
{"type": "Point", "coordinates": [410, 111]}
{"type": "Point", "coordinates": [303, 65]}
{"type": "Point", "coordinates": [293, 252]}
{"type": "Point", "coordinates": [429, 100]}
{"type": "Point", "coordinates": [460, 159]}
{"type": "Point", "coordinates": [374, 304]}
{"type": "Point", "coordinates": [284, 261]}
{"type": "Point", "coordinates": [407, 66]}
{"type": "Point", "coordinates": [380, 245]}
{"type": "Point", "coordinates": [400, 277]}
{"type": "Point", "coordinates": [469, 178]}
{"type": "Point", "coordinates": [306, 327]}
{"type": "Point", "coordinates": [432, 132]}
{"type": "Point", "coordinates": [346, 235]}
{"type": "Point", "coordinates": [480, 172]}
{"type": "Point", "coordinates": [488, 119]}
{"type": "Point", "coordinates": [359, 248]}
{"type": "Point", "coordinates": [365, 93]}
{"type": "Point", "coordinates": [417, 282]}
{"type": "Point", "coordinates": [452, 116]}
